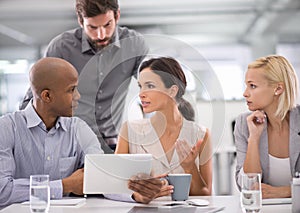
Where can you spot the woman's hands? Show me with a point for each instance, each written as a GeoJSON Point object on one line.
{"type": "Point", "coordinates": [187, 153]}
{"type": "Point", "coordinates": [256, 122]}
{"type": "Point", "coordinates": [269, 191]}
{"type": "Point", "coordinates": [146, 188]}
{"type": "Point", "coordinates": [201, 177]}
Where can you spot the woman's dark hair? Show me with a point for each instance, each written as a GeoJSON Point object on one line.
{"type": "Point", "coordinates": [91, 8]}
{"type": "Point", "coordinates": [171, 74]}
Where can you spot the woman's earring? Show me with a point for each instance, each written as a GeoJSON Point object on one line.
{"type": "Point", "coordinates": [276, 93]}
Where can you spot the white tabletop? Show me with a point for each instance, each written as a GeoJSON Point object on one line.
{"type": "Point", "coordinates": [91, 205]}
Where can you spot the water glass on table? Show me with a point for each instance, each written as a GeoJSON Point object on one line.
{"type": "Point", "coordinates": [251, 196]}
{"type": "Point", "coordinates": [39, 193]}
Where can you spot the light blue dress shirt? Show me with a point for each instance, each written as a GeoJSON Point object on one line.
{"type": "Point", "coordinates": [28, 148]}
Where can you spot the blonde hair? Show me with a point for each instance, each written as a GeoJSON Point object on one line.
{"type": "Point", "coordinates": [278, 69]}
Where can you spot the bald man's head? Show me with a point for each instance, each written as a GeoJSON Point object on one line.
{"type": "Point", "coordinates": [50, 73]}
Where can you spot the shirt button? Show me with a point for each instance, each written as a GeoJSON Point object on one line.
{"type": "Point", "coordinates": [101, 73]}
{"type": "Point", "coordinates": [99, 107]}
{"type": "Point", "coordinates": [100, 91]}
{"type": "Point", "coordinates": [48, 158]}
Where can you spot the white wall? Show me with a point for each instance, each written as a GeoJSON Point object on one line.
{"type": "Point", "coordinates": [206, 117]}
{"type": "Point", "coordinates": [222, 139]}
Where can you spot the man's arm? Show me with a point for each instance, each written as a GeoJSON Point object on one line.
{"type": "Point", "coordinates": [87, 139]}
{"type": "Point", "coordinates": [73, 183]}
{"type": "Point", "coordinates": [17, 190]}
{"type": "Point", "coordinates": [12, 189]}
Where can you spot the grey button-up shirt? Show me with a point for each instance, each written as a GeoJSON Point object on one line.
{"type": "Point", "coordinates": [104, 76]}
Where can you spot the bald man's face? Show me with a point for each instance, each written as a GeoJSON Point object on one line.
{"type": "Point", "coordinates": [54, 85]}
{"type": "Point", "coordinates": [66, 96]}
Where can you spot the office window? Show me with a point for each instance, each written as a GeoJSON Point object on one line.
{"type": "Point", "coordinates": [231, 78]}
{"type": "Point", "coordinates": [14, 83]}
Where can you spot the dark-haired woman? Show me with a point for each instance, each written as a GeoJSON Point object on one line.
{"type": "Point", "coordinates": [176, 142]}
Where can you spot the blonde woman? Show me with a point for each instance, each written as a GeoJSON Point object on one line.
{"type": "Point", "coordinates": [267, 138]}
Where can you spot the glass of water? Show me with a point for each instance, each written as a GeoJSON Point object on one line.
{"type": "Point", "coordinates": [39, 193]}
{"type": "Point", "coordinates": [251, 197]}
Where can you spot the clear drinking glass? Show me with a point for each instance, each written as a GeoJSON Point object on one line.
{"type": "Point", "coordinates": [251, 197]}
{"type": "Point", "coordinates": [39, 193]}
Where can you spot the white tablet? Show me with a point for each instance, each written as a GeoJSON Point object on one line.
{"type": "Point", "coordinates": [109, 173]}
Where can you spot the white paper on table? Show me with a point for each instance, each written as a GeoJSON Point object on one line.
{"type": "Point", "coordinates": [276, 201]}
{"type": "Point", "coordinates": [63, 202]}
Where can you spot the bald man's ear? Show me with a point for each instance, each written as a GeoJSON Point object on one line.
{"type": "Point", "coordinates": [46, 95]}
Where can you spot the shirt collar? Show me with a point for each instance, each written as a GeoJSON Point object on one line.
{"type": "Point", "coordinates": [116, 38]}
{"type": "Point", "coordinates": [87, 47]}
{"type": "Point", "coordinates": [33, 119]}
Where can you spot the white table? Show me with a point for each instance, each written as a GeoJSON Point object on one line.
{"type": "Point", "coordinates": [96, 205]}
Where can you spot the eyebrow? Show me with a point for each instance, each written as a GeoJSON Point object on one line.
{"type": "Point", "coordinates": [91, 25]}
{"type": "Point", "coordinates": [249, 81]}
{"type": "Point", "coordinates": [72, 86]}
{"type": "Point", "coordinates": [107, 22]}
{"type": "Point", "coordinates": [147, 82]}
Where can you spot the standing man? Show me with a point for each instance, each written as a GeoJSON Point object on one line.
{"type": "Point", "coordinates": [106, 56]}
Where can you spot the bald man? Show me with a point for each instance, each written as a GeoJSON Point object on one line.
{"type": "Point", "coordinates": [44, 139]}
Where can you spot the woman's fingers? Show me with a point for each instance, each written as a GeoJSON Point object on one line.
{"type": "Point", "coordinates": [183, 149]}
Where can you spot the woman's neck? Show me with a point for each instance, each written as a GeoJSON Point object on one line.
{"type": "Point", "coordinates": [170, 117]}
{"type": "Point", "coordinates": [276, 124]}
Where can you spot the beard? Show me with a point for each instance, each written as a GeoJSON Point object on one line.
{"type": "Point", "coordinates": [96, 43]}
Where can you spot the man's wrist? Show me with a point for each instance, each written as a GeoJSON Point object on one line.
{"type": "Point", "coordinates": [66, 186]}
{"type": "Point", "coordinates": [56, 189]}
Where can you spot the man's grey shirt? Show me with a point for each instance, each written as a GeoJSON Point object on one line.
{"type": "Point", "coordinates": [104, 76]}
